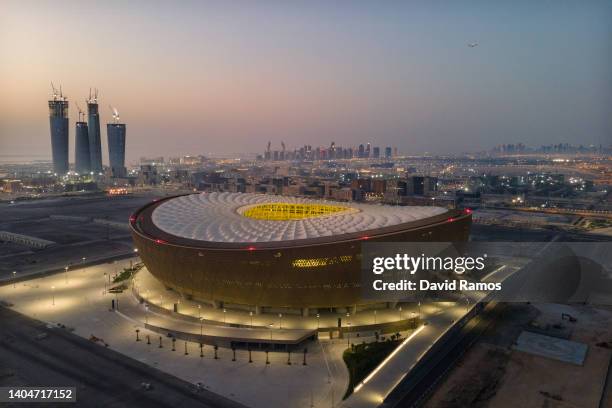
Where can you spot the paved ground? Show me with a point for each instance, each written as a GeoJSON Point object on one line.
{"type": "Point", "coordinates": [74, 238]}
{"type": "Point", "coordinates": [102, 377]}
{"type": "Point", "coordinates": [77, 300]}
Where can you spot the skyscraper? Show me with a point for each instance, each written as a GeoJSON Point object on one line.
{"type": "Point", "coordinates": [82, 161]}
{"type": "Point", "coordinates": [95, 146]}
{"type": "Point", "coordinates": [116, 146]}
{"type": "Point", "coordinates": [58, 124]}
{"type": "Point", "coordinates": [361, 153]}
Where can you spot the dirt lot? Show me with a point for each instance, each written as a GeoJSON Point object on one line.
{"type": "Point", "coordinates": [491, 374]}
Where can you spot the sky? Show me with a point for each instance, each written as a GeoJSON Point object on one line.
{"type": "Point", "coordinates": [219, 77]}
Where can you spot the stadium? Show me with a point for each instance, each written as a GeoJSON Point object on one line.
{"type": "Point", "coordinates": [273, 253]}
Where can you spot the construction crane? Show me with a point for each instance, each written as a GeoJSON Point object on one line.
{"type": "Point", "coordinates": [93, 99]}
{"type": "Point", "coordinates": [81, 113]}
{"type": "Point", "coordinates": [57, 94]}
{"type": "Point", "coordinates": [115, 114]}
{"type": "Point", "coordinates": [53, 90]}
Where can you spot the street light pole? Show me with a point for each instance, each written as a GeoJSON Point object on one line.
{"type": "Point", "coordinates": [348, 335]}
{"type": "Point", "coordinates": [14, 282]}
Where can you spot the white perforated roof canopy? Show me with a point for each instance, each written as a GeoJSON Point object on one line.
{"type": "Point", "coordinates": [217, 217]}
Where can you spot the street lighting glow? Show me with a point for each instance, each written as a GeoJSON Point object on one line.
{"type": "Point", "coordinates": [389, 357]}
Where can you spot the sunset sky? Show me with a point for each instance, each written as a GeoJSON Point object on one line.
{"type": "Point", "coordinates": [227, 76]}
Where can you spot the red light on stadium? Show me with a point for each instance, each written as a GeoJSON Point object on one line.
{"type": "Point", "coordinates": [251, 248]}
{"type": "Point", "coordinates": [468, 211]}
{"type": "Point", "coordinates": [160, 241]}
{"type": "Point", "coordinates": [365, 237]}
{"type": "Point", "coordinates": [450, 219]}
{"type": "Point", "coordinates": [132, 218]}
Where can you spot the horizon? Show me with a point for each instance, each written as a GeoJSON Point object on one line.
{"type": "Point", "coordinates": [226, 78]}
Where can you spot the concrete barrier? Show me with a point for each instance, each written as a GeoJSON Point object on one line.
{"type": "Point", "coordinates": [26, 240]}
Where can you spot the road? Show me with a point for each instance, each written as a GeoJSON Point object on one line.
{"type": "Point", "coordinates": [103, 377]}
{"type": "Point", "coordinates": [375, 390]}
{"type": "Point", "coordinates": [415, 389]}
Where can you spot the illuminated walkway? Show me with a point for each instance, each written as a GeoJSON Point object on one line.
{"type": "Point", "coordinates": [387, 376]}
{"type": "Point", "coordinates": [158, 305]}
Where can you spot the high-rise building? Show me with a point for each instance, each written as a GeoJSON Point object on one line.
{"type": "Point", "coordinates": [387, 152]}
{"type": "Point", "coordinates": [116, 148]}
{"type": "Point", "coordinates": [376, 152]}
{"type": "Point", "coordinates": [82, 160]}
{"type": "Point", "coordinates": [361, 151]}
{"type": "Point", "coordinates": [58, 124]}
{"type": "Point", "coordinates": [95, 144]}
{"type": "Point", "coordinates": [422, 185]}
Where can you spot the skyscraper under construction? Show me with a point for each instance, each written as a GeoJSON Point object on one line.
{"type": "Point", "coordinates": [58, 123]}
{"type": "Point", "coordinates": [116, 146]}
{"type": "Point", "coordinates": [82, 160]}
{"type": "Point", "coordinates": [95, 145]}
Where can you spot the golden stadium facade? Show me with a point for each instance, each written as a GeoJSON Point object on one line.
{"type": "Point", "coordinates": [271, 252]}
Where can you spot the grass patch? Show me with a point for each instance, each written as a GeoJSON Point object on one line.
{"type": "Point", "coordinates": [362, 359]}
{"type": "Point", "coordinates": [127, 273]}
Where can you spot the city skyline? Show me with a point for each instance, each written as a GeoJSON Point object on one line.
{"type": "Point", "coordinates": [217, 78]}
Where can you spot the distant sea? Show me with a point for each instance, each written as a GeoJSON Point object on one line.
{"type": "Point", "coordinates": [23, 158]}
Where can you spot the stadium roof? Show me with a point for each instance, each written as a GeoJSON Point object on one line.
{"type": "Point", "coordinates": [245, 218]}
